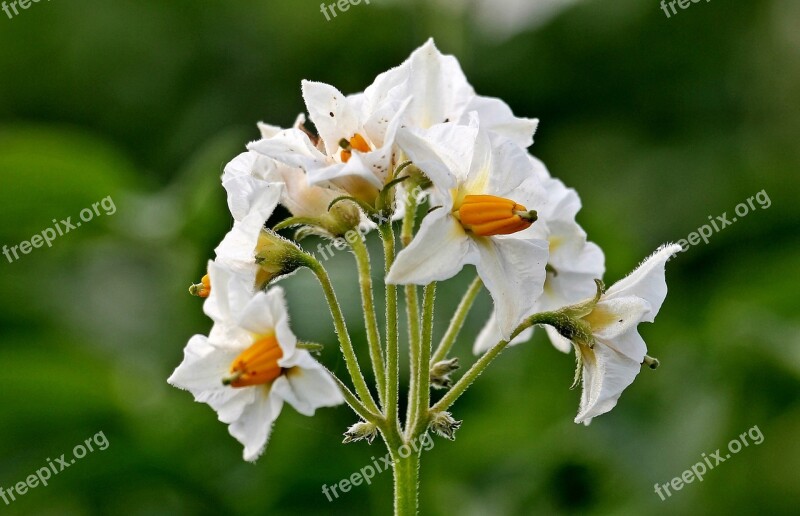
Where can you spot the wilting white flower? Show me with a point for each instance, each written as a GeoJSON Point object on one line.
{"type": "Point", "coordinates": [612, 351]}
{"type": "Point", "coordinates": [486, 187]}
{"type": "Point", "coordinates": [356, 150]}
{"type": "Point", "coordinates": [250, 365]}
{"type": "Point", "coordinates": [573, 264]}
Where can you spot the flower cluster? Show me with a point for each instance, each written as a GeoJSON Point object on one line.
{"type": "Point", "coordinates": [490, 204]}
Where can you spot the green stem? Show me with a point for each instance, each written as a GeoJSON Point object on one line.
{"type": "Point", "coordinates": [422, 401]}
{"type": "Point", "coordinates": [457, 322]}
{"type": "Point", "coordinates": [406, 483]}
{"type": "Point", "coordinates": [392, 350]}
{"type": "Point", "coordinates": [341, 331]}
{"type": "Point", "coordinates": [355, 404]}
{"type": "Point", "coordinates": [414, 345]}
{"type": "Point", "coordinates": [370, 318]}
{"type": "Point", "coordinates": [478, 367]}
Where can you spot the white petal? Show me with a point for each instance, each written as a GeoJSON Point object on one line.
{"type": "Point", "coordinates": [618, 315]}
{"type": "Point", "coordinates": [254, 426]}
{"type": "Point", "coordinates": [439, 250]}
{"type": "Point", "coordinates": [332, 114]}
{"type": "Point", "coordinates": [266, 313]}
{"type": "Point", "coordinates": [307, 386]}
{"type": "Point", "coordinates": [606, 373]}
{"type": "Point", "coordinates": [490, 335]}
{"type": "Point", "coordinates": [230, 292]}
{"type": "Point", "coordinates": [248, 194]}
{"type": "Point", "coordinates": [647, 281]}
{"type": "Point", "coordinates": [444, 152]}
{"type": "Point", "coordinates": [497, 117]}
{"type": "Point", "coordinates": [201, 373]}
{"type": "Point", "coordinates": [291, 147]}
{"type": "Point", "coordinates": [513, 271]}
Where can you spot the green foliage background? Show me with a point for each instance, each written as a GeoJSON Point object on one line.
{"type": "Point", "coordinates": [658, 123]}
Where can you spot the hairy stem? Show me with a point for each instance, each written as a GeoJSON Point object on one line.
{"type": "Point", "coordinates": [419, 421]}
{"type": "Point", "coordinates": [392, 350]}
{"type": "Point", "coordinates": [370, 318]}
{"type": "Point", "coordinates": [341, 331]}
{"type": "Point", "coordinates": [478, 367]}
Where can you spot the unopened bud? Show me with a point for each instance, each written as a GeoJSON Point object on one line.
{"type": "Point", "coordinates": [360, 431]}
{"type": "Point", "coordinates": [444, 425]}
{"type": "Point", "coordinates": [276, 257]}
{"type": "Point", "coordinates": [440, 373]}
{"type": "Point", "coordinates": [651, 362]}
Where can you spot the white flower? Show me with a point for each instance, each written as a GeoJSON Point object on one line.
{"type": "Point", "coordinates": [250, 365]}
{"type": "Point", "coordinates": [573, 264]}
{"type": "Point", "coordinates": [486, 187]}
{"type": "Point", "coordinates": [439, 92]}
{"type": "Point", "coordinates": [614, 356]}
{"type": "Point", "coordinates": [356, 149]}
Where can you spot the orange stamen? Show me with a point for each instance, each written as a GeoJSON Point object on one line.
{"type": "Point", "coordinates": [202, 289]}
{"type": "Point", "coordinates": [257, 365]}
{"type": "Point", "coordinates": [488, 215]}
{"type": "Point", "coordinates": [357, 142]}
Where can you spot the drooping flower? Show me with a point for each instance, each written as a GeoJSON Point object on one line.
{"type": "Point", "coordinates": [607, 343]}
{"type": "Point", "coordinates": [573, 264]}
{"type": "Point", "coordinates": [250, 364]}
{"type": "Point", "coordinates": [488, 198]}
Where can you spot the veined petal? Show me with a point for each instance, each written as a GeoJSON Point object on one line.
{"type": "Point", "coordinates": [332, 114]}
{"type": "Point", "coordinates": [513, 271]}
{"type": "Point", "coordinates": [307, 386]}
{"type": "Point", "coordinates": [647, 281]}
{"type": "Point", "coordinates": [606, 373]}
{"type": "Point", "coordinates": [254, 426]}
{"type": "Point", "coordinates": [439, 250]}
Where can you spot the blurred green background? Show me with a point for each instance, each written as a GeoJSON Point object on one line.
{"type": "Point", "coordinates": [658, 123]}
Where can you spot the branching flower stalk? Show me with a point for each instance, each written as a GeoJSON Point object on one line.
{"type": "Point", "coordinates": [418, 139]}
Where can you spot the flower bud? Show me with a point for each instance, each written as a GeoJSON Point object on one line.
{"type": "Point", "coordinates": [276, 257]}
{"type": "Point", "coordinates": [444, 425]}
{"type": "Point", "coordinates": [360, 431]}
{"type": "Point", "coordinates": [440, 373]}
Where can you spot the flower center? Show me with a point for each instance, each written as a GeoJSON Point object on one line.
{"type": "Point", "coordinates": [487, 215]}
{"type": "Point", "coordinates": [257, 365]}
{"type": "Point", "coordinates": [202, 289]}
{"type": "Point", "coordinates": [357, 142]}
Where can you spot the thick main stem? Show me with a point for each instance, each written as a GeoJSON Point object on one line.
{"type": "Point", "coordinates": [370, 318]}
{"type": "Point", "coordinates": [344, 337]}
{"type": "Point", "coordinates": [406, 482]}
